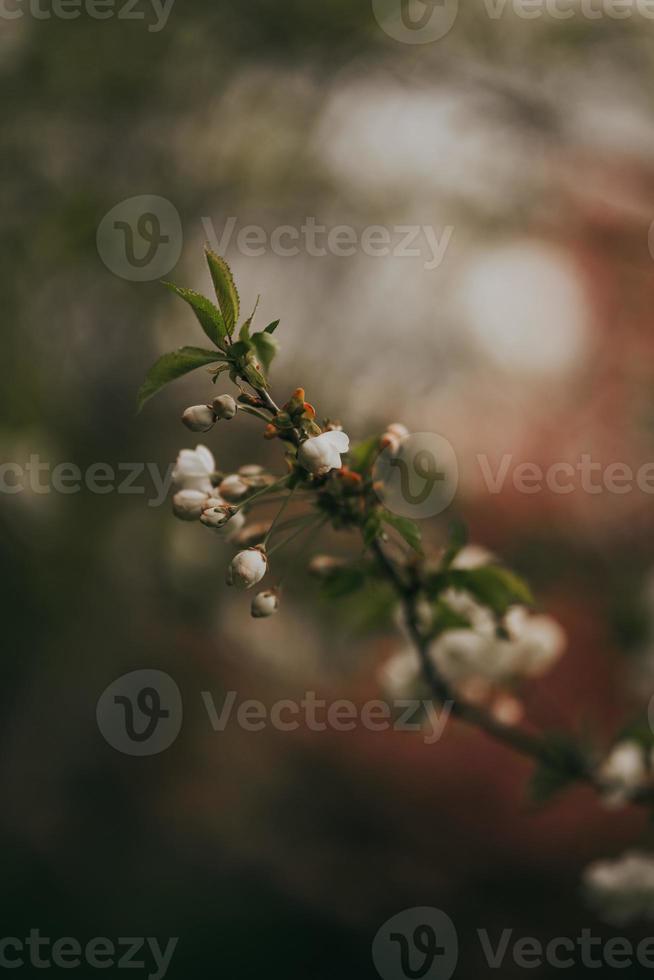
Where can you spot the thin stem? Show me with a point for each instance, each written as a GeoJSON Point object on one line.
{"type": "Point", "coordinates": [277, 516]}
{"type": "Point", "coordinates": [267, 400]}
{"type": "Point", "coordinates": [310, 519]}
{"type": "Point", "coordinates": [251, 410]}
{"type": "Point", "coordinates": [260, 493]}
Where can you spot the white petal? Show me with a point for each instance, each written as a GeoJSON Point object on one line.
{"type": "Point", "coordinates": [206, 458]}
{"type": "Point", "coordinates": [339, 440]}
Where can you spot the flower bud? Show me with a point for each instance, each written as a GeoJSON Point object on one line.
{"type": "Point", "coordinates": [225, 407]}
{"type": "Point", "coordinates": [247, 568]}
{"type": "Point", "coordinates": [188, 505]}
{"type": "Point", "coordinates": [265, 604]}
{"type": "Point", "coordinates": [217, 517]}
{"type": "Point", "coordinates": [233, 487]}
{"type": "Point", "coordinates": [199, 418]}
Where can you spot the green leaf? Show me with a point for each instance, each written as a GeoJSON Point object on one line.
{"type": "Point", "coordinates": [458, 540]}
{"type": "Point", "coordinates": [244, 333]}
{"type": "Point", "coordinates": [445, 618]}
{"type": "Point", "coordinates": [226, 292]}
{"type": "Point", "coordinates": [409, 531]}
{"type": "Point", "coordinates": [362, 456]}
{"type": "Point", "coordinates": [265, 347]}
{"type": "Point", "coordinates": [172, 366]}
{"type": "Point", "coordinates": [208, 316]}
{"type": "Point", "coordinates": [492, 586]}
{"type": "Point", "coordinates": [272, 326]}
{"type": "Point", "coordinates": [240, 350]}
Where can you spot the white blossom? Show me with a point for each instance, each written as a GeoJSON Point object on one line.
{"type": "Point", "coordinates": [622, 890]}
{"type": "Point", "coordinates": [623, 771]}
{"type": "Point", "coordinates": [189, 505]}
{"type": "Point", "coordinates": [471, 557]}
{"type": "Point", "coordinates": [194, 469]}
{"type": "Point", "coordinates": [247, 568]}
{"type": "Point", "coordinates": [322, 453]}
{"type": "Point", "coordinates": [265, 604]}
{"type": "Point", "coordinates": [533, 645]}
{"type": "Point", "coordinates": [199, 418]}
{"type": "Point", "coordinates": [400, 675]}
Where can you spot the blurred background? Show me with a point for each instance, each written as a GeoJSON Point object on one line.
{"type": "Point", "coordinates": [527, 146]}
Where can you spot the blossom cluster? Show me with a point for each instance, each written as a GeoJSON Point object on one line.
{"type": "Point", "coordinates": [483, 661]}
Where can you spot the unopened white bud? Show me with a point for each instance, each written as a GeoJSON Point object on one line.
{"type": "Point", "coordinates": [199, 418]}
{"type": "Point", "coordinates": [247, 568]}
{"type": "Point", "coordinates": [188, 505]}
{"type": "Point", "coordinates": [265, 604]}
{"type": "Point", "coordinates": [217, 517]}
{"type": "Point", "coordinates": [225, 407]}
{"type": "Point", "coordinates": [233, 487]}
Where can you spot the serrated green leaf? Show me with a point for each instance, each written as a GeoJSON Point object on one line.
{"type": "Point", "coordinates": [265, 347]}
{"type": "Point", "coordinates": [208, 316]}
{"type": "Point", "coordinates": [244, 333]}
{"type": "Point", "coordinates": [408, 529]}
{"type": "Point", "coordinates": [492, 586]}
{"type": "Point", "coordinates": [226, 292]}
{"type": "Point", "coordinates": [272, 326]}
{"type": "Point", "coordinates": [172, 366]}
